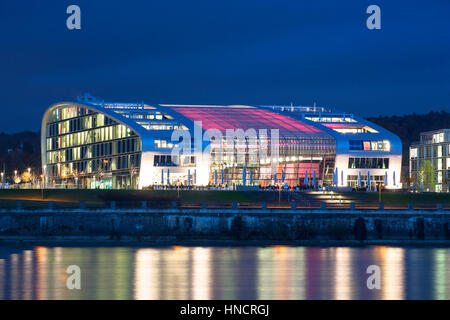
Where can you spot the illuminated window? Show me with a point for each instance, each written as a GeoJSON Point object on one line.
{"type": "Point", "coordinates": [368, 163]}
{"type": "Point", "coordinates": [369, 145]}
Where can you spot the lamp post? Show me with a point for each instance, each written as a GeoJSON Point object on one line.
{"type": "Point", "coordinates": [29, 175]}
{"type": "Point", "coordinates": [42, 186]}
{"type": "Point", "coordinates": [43, 176]}
{"type": "Point", "coordinates": [379, 192]}
{"type": "Point", "coordinates": [279, 184]}
{"type": "Point", "coordinates": [178, 188]}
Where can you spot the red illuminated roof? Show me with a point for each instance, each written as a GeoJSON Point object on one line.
{"type": "Point", "coordinates": [223, 118]}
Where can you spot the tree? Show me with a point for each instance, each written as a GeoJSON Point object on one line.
{"type": "Point", "coordinates": [426, 175]}
{"type": "Point", "coordinates": [26, 177]}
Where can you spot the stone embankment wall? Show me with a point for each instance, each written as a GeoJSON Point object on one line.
{"type": "Point", "coordinates": [225, 224]}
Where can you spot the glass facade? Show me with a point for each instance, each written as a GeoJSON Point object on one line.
{"type": "Point", "coordinates": [87, 149]}
{"type": "Point", "coordinates": [302, 149]}
{"type": "Point", "coordinates": [368, 163]}
{"type": "Point", "coordinates": [93, 144]}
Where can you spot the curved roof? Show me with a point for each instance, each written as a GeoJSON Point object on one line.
{"type": "Point", "coordinates": [245, 117]}
{"type": "Point", "coordinates": [211, 117]}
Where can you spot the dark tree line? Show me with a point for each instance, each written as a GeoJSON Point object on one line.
{"type": "Point", "coordinates": [20, 151]}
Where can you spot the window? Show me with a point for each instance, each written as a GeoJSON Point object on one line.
{"type": "Point", "coordinates": [369, 145]}
{"type": "Point", "coordinates": [164, 161]}
{"type": "Point", "coordinates": [355, 145]}
{"type": "Point", "coordinates": [368, 163]}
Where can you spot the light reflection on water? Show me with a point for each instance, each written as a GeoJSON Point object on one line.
{"type": "Point", "coordinates": [276, 272]}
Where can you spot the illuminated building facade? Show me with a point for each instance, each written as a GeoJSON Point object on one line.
{"type": "Point", "coordinates": [95, 144]}
{"type": "Point", "coordinates": [434, 148]}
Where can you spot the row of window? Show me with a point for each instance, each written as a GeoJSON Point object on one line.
{"type": "Point", "coordinates": [286, 147]}
{"type": "Point", "coordinates": [146, 115]}
{"type": "Point", "coordinates": [160, 143]}
{"type": "Point", "coordinates": [78, 124]}
{"type": "Point", "coordinates": [94, 151]}
{"type": "Point", "coordinates": [68, 112]}
{"type": "Point", "coordinates": [368, 163]}
{"type": "Point", "coordinates": [173, 161]}
{"type": "Point", "coordinates": [79, 168]}
{"type": "Point", "coordinates": [364, 178]}
{"type": "Point", "coordinates": [437, 164]}
{"type": "Point", "coordinates": [368, 145]}
{"type": "Point", "coordinates": [434, 138]}
{"type": "Point", "coordinates": [365, 129]}
{"type": "Point", "coordinates": [161, 126]}
{"type": "Point", "coordinates": [87, 137]}
{"type": "Point", "coordinates": [331, 118]}
{"type": "Point", "coordinates": [430, 151]}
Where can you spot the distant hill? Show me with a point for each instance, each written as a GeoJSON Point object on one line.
{"type": "Point", "coordinates": [409, 127]}
{"type": "Point", "coordinates": [20, 151]}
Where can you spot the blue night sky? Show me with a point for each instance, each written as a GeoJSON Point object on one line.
{"type": "Point", "coordinates": [224, 52]}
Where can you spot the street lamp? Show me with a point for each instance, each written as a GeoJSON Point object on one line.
{"type": "Point", "coordinates": [178, 188]}
{"type": "Point", "coordinates": [15, 178]}
{"type": "Point", "coordinates": [279, 184]}
{"type": "Point", "coordinates": [29, 176]}
{"type": "Point", "coordinates": [43, 176]}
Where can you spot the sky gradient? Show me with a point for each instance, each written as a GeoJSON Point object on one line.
{"type": "Point", "coordinates": [224, 52]}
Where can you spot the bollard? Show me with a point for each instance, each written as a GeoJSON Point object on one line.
{"type": "Point", "coordinates": [113, 205]}
{"type": "Point", "coordinates": [440, 206]}
{"type": "Point", "coordinates": [234, 205]}
{"type": "Point", "coordinates": [410, 206]}
{"type": "Point", "coordinates": [50, 205]}
{"type": "Point", "coordinates": [293, 205]}
{"type": "Point", "coordinates": [264, 205]}
{"type": "Point", "coordinates": [19, 205]}
{"type": "Point", "coordinates": [323, 205]}
{"type": "Point", "coordinates": [381, 206]}
{"type": "Point", "coordinates": [352, 206]}
{"type": "Point", "coordinates": [143, 204]}
{"type": "Point", "coordinates": [204, 205]}
{"type": "Point", "coordinates": [82, 205]}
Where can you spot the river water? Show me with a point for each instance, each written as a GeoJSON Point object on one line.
{"type": "Point", "coordinates": [274, 272]}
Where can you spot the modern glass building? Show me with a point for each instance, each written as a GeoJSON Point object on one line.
{"type": "Point", "coordinates": [431, 156]}
{"type": "Point", "coordinates": [96, 144]}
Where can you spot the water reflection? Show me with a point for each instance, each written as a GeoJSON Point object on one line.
{"type": "Point", "coordinates": [391, 262]}
{"type": "Point", "coordinates": [343, 273]}
{"type": "Point", "coordinates": [276, 272]}
{"type": "Point", "coordinates": [441, 272]}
